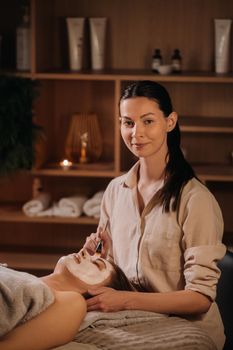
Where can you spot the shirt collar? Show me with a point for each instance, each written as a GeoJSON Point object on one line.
{"type": "Point", "coordinates": [131, 177]}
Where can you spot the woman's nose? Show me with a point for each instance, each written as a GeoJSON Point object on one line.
{"type": "Point", "coordinates": [137, 130]}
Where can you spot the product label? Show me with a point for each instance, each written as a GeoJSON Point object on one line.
{"type": "Point", "coordinates": [155, 63]}
{"type": "Point", "coordinates": [176, 65]}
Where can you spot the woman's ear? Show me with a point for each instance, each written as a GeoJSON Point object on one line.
{"type": "Point", "coordinates": [171, 121]}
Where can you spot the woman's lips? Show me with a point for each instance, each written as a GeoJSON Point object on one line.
{"type": "Point", "coordinates": [139, 145]}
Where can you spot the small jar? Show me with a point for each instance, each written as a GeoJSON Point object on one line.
{"type": "Point", "coordinates": [156, 60]}
{"type": "Point", "coordinates": [176, 61]}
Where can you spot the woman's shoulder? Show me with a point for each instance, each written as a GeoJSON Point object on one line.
{"type": "Point", "coordinates": [194, 185]}
{"type": "Point", "coordinates": [195, 190]}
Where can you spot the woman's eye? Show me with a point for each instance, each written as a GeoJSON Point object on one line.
{"type": "Point", "coordinates": [99, 264]}
{"type": "Point", "coordinates": [148, 121]}
{"type": "Point", "coordinates": [128, 123]}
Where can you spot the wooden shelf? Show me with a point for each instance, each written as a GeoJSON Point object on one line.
{"type": "Point", "coordinates": [206, 124]}
{"type": "Point", "coordinates": [13, 213]}
{"type": "Point", "coordinates": [206, 129]}
{"type": "Point", "coordinates": [217, 173]}
{"type": "Point", "coordinates": [136, 74]}
{"type": "Point", "coordinates": [81, 170]}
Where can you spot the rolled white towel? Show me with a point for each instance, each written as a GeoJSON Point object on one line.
{"type": "Point", "coordinates": [53, 210]}
{"type": "Point", "coordinates": [71, 206]}
{"type": "Point", "coordinates": [92, 206]}
{"type": "Point", "coordinates": [37, 205]}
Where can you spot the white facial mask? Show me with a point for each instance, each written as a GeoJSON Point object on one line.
{"type": "Point", "coordinates": [90, 270]}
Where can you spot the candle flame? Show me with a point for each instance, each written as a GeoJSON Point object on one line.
{"type": "Point", "coordinates": [66, 163]}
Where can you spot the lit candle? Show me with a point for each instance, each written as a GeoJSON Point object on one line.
{"type": "Point", "coordinates": [66, 164]}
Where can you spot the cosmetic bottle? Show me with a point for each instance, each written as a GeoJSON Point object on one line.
{"type": "Point", "coordinates": [176, 61]}
{"type": "Point", "coordinates": [156, 60]}
{"type": "Point", "coordinates": [222, 44]}
{"type": "Point", "coordinates": [23, 46]}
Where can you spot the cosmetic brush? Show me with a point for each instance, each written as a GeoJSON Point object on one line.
{"type": "Point", "coordinates": [99, 246]}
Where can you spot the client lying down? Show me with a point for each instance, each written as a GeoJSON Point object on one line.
{"type": "Point", "coordinates": [41, 313]}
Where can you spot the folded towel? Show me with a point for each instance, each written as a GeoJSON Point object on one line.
{"type": "Point", "coordinates": [71, 206]}
{"type": "Point", "coordinates": [92, 206]}
{"type": "Point", "coordinates": [22, 296]}
{"type": "Point", "coordinates": [37, 205]}
{"type": "Point", "coordinates": [54, 210]}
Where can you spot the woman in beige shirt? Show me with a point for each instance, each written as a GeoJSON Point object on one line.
{"type": "Point", "coordinates": [164, 227]}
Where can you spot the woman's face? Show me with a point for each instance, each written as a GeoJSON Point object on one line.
{"type": "Point", "coordinates": [144, 127]}
{"type": "Point", "coordinates": [88, 270]}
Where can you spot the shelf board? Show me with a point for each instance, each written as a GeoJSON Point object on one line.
{"type": "Point", "coordinates": [206, 124]}
{"type": "Point", "coordinates": [134, 74]}
{"type": "Point", "coordinates": [28, 261]}
{"type": "Point", "coordinates": [206, 129]}
{"type": "Point", "coordinates": [215, 173]}
{"type": "Point", "coordinates": [14, 213]}
{"type": "Point", "coordinates": [184, 77]}
{"type": "Point", "coordinates": [81, 170]}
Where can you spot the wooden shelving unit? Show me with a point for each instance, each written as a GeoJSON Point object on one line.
{"type": "Point", "coordinates": [202, 98]}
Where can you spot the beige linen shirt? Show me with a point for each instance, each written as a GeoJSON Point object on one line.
{"type": "Point", "coordinates": [161, 252]}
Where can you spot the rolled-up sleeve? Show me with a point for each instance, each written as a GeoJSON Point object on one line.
{"type": "Point", "coordinates": [200, 269]}
{"type": "Point", "coordinates": [202, 241]}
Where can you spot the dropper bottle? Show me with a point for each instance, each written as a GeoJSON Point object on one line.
{"type": "Point", "coordinates": [156, 60]}
{"type": "Point", "coordinates": [176, 61]}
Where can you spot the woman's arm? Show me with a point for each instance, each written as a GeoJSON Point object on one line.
{"type": "Point", "coordinates": [55, 326]}
{"type": "Point", "coordinates": [177, 302]}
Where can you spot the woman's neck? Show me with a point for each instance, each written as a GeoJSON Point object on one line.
{"type": "Point", "coordinates": [150, 179]}
{"type": "Point", "coordinates": [151, 170]}
{"type": "Point", "coordinates": [59, 282]}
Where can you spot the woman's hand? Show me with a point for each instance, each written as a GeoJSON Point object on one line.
{"type": "Point", "coordinates": [92, 241]}
{"type": "Point", "coordinates": [106, 299]}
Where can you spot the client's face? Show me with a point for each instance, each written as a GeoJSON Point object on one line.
{"type": "Point", "coordinates": [90, 270]}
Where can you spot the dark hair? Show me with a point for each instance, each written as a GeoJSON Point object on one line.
{"type": "Point", "coordinates": [178, 171]}
{"type": "Point", "coordinates": [119, 280]}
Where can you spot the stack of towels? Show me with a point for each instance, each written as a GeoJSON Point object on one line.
{"type": "Point", "coordinates": [73, 206]}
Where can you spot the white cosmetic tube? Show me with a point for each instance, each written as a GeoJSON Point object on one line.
{"type": "Point", "coordinates": [98, 37]}
{"type": "Point", "coordinates": [75, 27]}
{"type": "Point", "coordinates": [222, 45]}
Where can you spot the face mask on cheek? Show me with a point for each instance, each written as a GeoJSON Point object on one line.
{"type": "Point", "coordinates": [86, 271]}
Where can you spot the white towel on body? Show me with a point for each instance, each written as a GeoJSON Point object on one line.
{"type": "Point", "coordinates": [92, 206]}
{"type": "Point", "coordinates": [37, 205]}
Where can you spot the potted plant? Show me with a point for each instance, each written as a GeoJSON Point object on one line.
{"type": "Point", "coordinates": [18, 131]}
